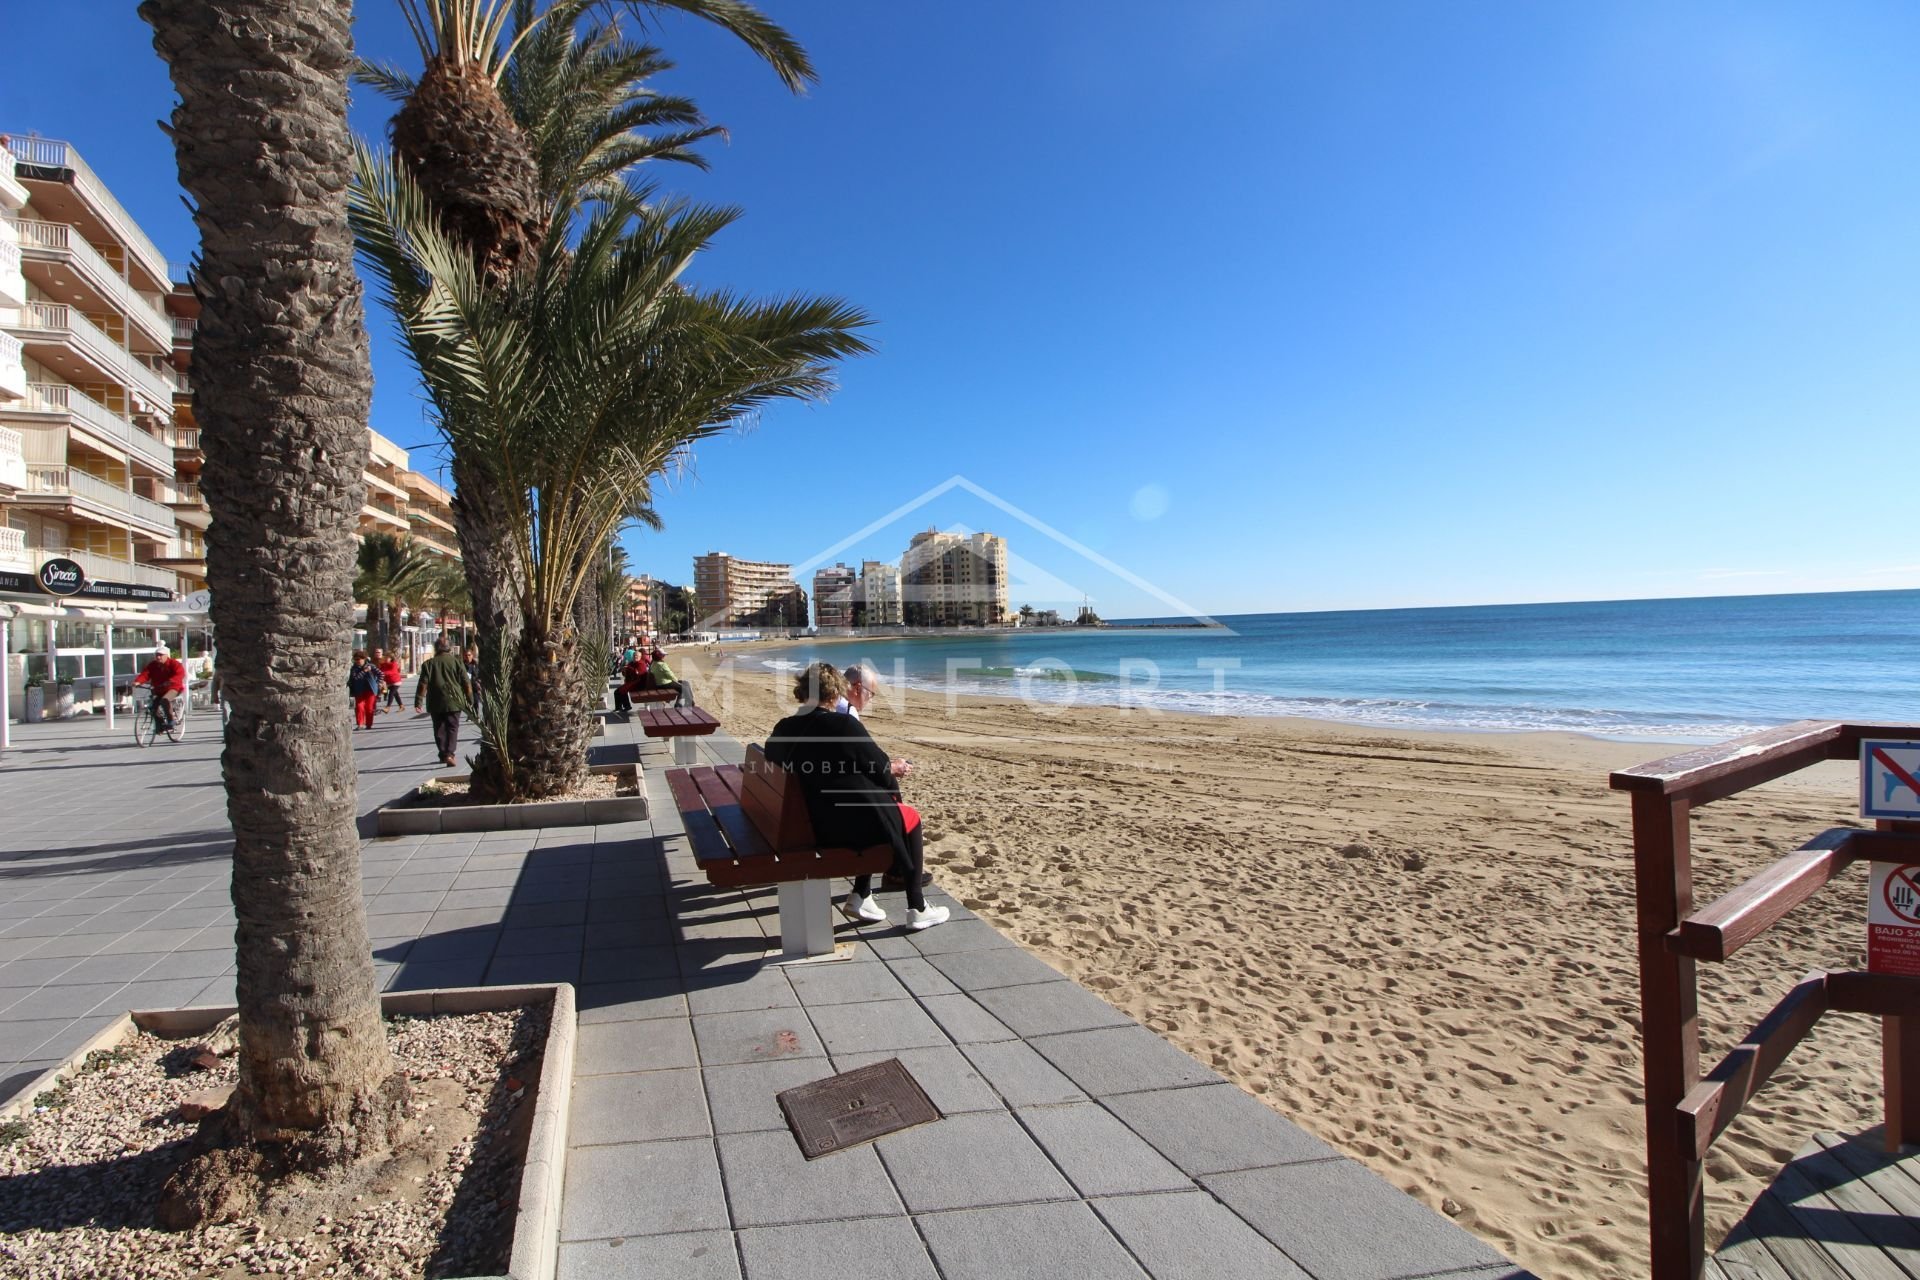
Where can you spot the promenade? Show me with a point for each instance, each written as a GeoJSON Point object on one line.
{"type": "Point", "coordinates": [1075, 1143]}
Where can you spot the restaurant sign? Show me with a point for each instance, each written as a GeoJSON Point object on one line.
{"type": "Point", "coordinates": [66, 578]}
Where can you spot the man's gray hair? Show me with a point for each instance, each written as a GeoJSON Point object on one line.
{"type": "Point", "coordinates": [862, 674]}
{"type": "Point", "coordinates": [440, 644]}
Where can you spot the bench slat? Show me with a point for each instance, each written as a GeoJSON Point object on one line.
{"type": "Point", "coordinates": [703, 834]}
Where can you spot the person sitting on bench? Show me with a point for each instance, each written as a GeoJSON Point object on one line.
{"type": "Point", "coordinates": [849, 785]}
{"type": "Point", "coordinates": [660, 676]}
{"type": "Point", "coordinates": [633, 678]}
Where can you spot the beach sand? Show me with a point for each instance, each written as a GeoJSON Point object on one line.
{"type": "Point", "coordinates": [1417, 946]}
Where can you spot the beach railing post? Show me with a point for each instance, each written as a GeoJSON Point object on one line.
{"type": "Point", "coordinates": [1900, 1055]}
{"type": "Point", "coordinates": [1670, 1032]}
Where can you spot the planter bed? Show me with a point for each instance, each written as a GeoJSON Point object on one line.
{"type": "Point", "coordinates": [415, 814]}
{"type": "Point", "coordinates": [85, 1149]}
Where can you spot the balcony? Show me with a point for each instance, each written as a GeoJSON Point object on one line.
{"type": "Point", "coordinates": [66, 341]}
{"type": "Point", "coordinates": [184, 440]}
{"type": "Point", "coordinates": [183, 327]}
{"type": "Point", "coordinates": [13, 372]}
{"type": "Point", "coordinates": [13, 462]}
{"type": "Point", "coordinates": [60, 260]}
{"type": "Point", "coordinates": [180, 273]}
{"type": "Point", "coordinates": [95, 419]}
{"type": "Point", "coordinates": [188, 554]}
{"type": "Point", "coordinates": [97, 499]}
{"type": "Point", "coordinates": [110, 569]}
{"type": "Point", "coordinates": [435, 520]}
{"type": "Point", "coordinates": [13, 285]}
{"type": "Point", "coordinates": [13, 551]}
{"type": "Point", "coordinates": [47, 153]}
{"type": "Point", "coordinates": [377, 481]}
{"type": "Point", "coordinates": [380, 516]}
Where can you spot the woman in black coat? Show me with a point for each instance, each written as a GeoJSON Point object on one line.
{"type": "Point", "coordinates": [852, 792]}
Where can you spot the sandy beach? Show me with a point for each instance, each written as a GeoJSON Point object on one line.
{"type": "Point", "coordinates": [1417, 946]}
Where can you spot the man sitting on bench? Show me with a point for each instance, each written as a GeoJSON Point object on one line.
{"type": "Point", "coordinates": [849, 786]}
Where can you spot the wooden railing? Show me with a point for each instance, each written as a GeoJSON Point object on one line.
{"type": "Point", "coordinates": [1685, 1110]}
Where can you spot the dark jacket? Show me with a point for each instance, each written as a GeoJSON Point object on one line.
{"type": "Point", "coordinates": [846, 777]}
{"type": "Point", "coordinates": [363, 681]}
{"type": "Point", "coordinates": [443, 685]}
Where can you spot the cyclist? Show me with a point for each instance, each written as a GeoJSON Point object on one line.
{"type": "Point", "coordinates": [166, 675]}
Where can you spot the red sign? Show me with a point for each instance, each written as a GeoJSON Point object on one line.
{"type": "Point", "coordinates": [1893, 919]}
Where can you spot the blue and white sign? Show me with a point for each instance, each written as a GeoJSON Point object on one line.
{"type": "Point", "coordinates": [1889, 778]}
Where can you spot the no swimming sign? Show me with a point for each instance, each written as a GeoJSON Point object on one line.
{"type": "Point", "coordinates": [1889, 778]}
{"type": "Point", "coordinates": [1890, 791]}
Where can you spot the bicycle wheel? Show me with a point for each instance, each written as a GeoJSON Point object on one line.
{"type": "Point", "coordinates": [143, 725]}
{"type": "Point", "coordinates": [177, 728]}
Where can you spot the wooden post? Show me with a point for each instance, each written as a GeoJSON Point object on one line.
{"type": "Point", "coordinates": [1670, 1033]}
{"type": "Point", "coordinates": [1900, 1057]}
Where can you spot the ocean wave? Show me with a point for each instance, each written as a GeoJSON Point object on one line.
{"type": "Point", "coordinates": [782, 664]}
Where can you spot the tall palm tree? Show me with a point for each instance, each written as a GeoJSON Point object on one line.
{"type": "Point", "coordinates": [389, 572]}
{"type": "Point", "coordinates": [281, 390]}
{"type": "Point", "coordinates": [575, 384]}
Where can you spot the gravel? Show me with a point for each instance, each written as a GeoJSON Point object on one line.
{"type": "Point", "coordinates": [79, 1176]}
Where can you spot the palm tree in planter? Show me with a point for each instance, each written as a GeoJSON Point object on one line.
{"type": "Point", "coordinates": [282, 387]}
{"type": "Point", "coordinates": [572, 385]}
{"type": "Point", "coordinates": [389, 572]}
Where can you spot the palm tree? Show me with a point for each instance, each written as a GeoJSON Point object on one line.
{"type": "Point", "coordinates": [390, 572]}
{"type": "Point", "coordinates": [282, 387]}
{"type": "Point", "coordinates": [575, 384]}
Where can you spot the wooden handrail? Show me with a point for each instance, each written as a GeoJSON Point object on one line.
{"type": "Point", "coordinates": [1712, 1104]}
{"type": "Point", "coordinates": [1733, 920]}
{"type": "Point", "coordinates": [1727, 768]}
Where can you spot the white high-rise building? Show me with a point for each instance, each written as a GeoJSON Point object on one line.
{"type": "Point", "coordinates": [952, 580]}
{"type": "Point", "coordinates": [878, 597]}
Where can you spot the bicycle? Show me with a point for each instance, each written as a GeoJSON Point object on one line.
{"type": "Point", "coordinates": [147, 724]}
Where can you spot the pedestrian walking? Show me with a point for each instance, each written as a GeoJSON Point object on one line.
{"type": "Point", "coordinates": [442, 690]}
{"type": "Point", "coordinates": [363, 685]}
{"type": "Point", "coordinates": [390, 677]}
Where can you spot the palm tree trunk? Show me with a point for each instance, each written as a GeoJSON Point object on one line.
{"type": "Point", "coordinates": [282, 388]}
{"type": "Point", "coordinates": [548, 729]}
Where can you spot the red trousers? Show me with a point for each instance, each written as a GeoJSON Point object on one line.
{"type": "Point", "coordinates": [365, 705]}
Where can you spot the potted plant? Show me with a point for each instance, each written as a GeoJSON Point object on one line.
{"type": "Point", "coordinates": [61, 707]}
{"type": "Point", "coordinates": [36, 699]}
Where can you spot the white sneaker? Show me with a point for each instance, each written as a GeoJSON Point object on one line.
{"type": "Point", "coordinates": [926, 919]}
{"type": "Point", "coordinates": [862, 910]}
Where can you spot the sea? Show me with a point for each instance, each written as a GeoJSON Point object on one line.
{"type": "Point", "coordinates": [1687, 670]}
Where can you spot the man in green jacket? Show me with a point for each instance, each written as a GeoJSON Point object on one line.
{"type": "Point", "coordinates": [443, 688]}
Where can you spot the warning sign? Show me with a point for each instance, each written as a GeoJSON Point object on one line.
{"type": "Point", "coordinates": [1893, 919]}
{"type": "Point", "coordinates": [1889, 778]}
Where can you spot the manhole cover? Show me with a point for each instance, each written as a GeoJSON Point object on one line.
{"type": "Point", "coordinates": [855, 1107]}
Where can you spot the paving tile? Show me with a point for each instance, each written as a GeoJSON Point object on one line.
{"type": "Point", "coordinates": [171, 993]}
{"type": "Point", "coordinates": [73, 946]}
{"type": "Point", "coordinates": [1191, 1236]}
{"type": "Point", "coordinates": [765, 987]}
{"type": "Point", "coordinates": [1121, 1060]}
{"type": "Point", "coordinates": [188, 964]}
{"type": "Point", "coordinates": [964, 1021]}
{"type": "Point", "coordinates": [952, 1083]}
{"type": "Point", "coordinates": [1044, 1008]}
{"type": "Point", "coordinates": [606, 1048]}
{"type": "Point", "coordinates": [24, 1035]}
{"type": "Point", "coordinates": [1041, 1240]}
{"type": "Point", "coordinates": [957, 936]}
{"type": "Point", "coordinates": [642, 1189]}
{"type": "Point", "coordinates": [876, 1025]}
{"type": "Point", "coordinates": [769, 1182]}
{"type": "Point", "coordinates": [1216, 1128]}
{"type": "Point", "coordinates": [150, 940]}
{"type": "Point", "coordinates": [455, 944]}
{"type": "Point", "coordinates": [549, 940]}
{"type": "Point", "coordinates": [390, 903]}
{"type": "Point", "coordinates": [63, 1001]}
{"type": "Point", "coordinates": [220, 936]}
{"type": "Point", "coordinates": [759, 1035]}
{"type": "Point", "coordinates": [834, 1250]}
{"type": "Point", "coordinates": [970, 1161]}
{"type": "Point", "coordinates": [630, 1001]}
{"type": "Point", "coordinates": [420, 975]}
{"type": "Point", "coordinates": [1099, 1154]}
{"type": "Point", "coordinates": [689, 1255]}
{"type": "Point", "coordinates": [1000, 967]}
{"type": "Point", "coordinates": [921, 978]}
{"type": "Point", "coordinates": [430, 883]}
{"type": "Point", "coordinates": [1340, 1222]}
{"type": "Point", "coordinates": [34, 973]}
{"type": "Point", "coordinates": [1021, 1076]}
{"type": "Point", "coordinates": [626, 909]}
{"type": "Point", "coordinates": [509, 970]}
{"type": "Point", "coordinates": [460, 899]}
{"type": "Point", "coordinates": [539, 914]}
{"type": "Point", "coordinates": [742, 1099]}
{"type": "Point", "coordinates": [627, 964]}
{"type": "Point", "coordinates": [823, 984]}
{"type": "Point", "coordinates": [638, 1106]}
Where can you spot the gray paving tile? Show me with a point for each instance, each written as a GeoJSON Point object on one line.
{"type": "Point", "coordinates": [969, 1161]}
{"type": "Point", "coordinates": [690, 1255]}
{"type": "Point", "coordinates": [644, 913]}
{"type": "Point", "coordinates": [823, 984]}
{"type": "Point", "coordinates": [538, 914]}
{"type": "Point", "coordinates": [876, 1025]}
{"type": "Point", "coordinates": [220, 937]}
{"type": "Point", "coordinates": [456, 944]}
{"type": "Point", "coordinates": [638, 1107]}
{"type": "Point", "coordinates": [461, 899]}
{"type": "Point", "coordinates": [550, 940]}
{"type": "Point", "coordinates": [630, 1001]}
{"type": "Point", "coordinates": [61, 1002]}
{"type": "Point", "coordinates": [420, 975]}
{"type": "Point", "coordinates": [1000, 967]}
{"type": "Point", "coordinates": [642, 1189]}
{"type": "Point", "coordinates": [1340, 1222]}
{"type": "Point", "coordinates": [1099, 1154]}
{"type": "Point", "coordinates": [957, 936]}
{"type": "Point", "coordinates": [151, 940]}
{"type": "Point", "coordinates": [758, 1035]}
{"type": "Point", "coordinates": [627, 964]}
{"type": "Point", "coordinates": [1215, 1128]}
{"type": "Point", "coordinates": [1191, 1236]}
{"type": "Point", "coordinates": [765, 987]}
{"type": "Point", "coordinates": [964, 1021]}
{"type": "Point", "coordinates": [1121, 1060]}
{"type": "Point", "coordinates": [1044, 1008]}
{"type": "Point", "coordinates": [742, 1099]}
{"type": "Point", "coordinates": [606, 1048]}
{"type": "Point", "coordinates": [769, 1182]}
{"type": "Point", "coordinates": [430, 883]}
{"type": "Point", "coordinates": [390, 903]}
{"type": "Point", "coordinates": [24, 1035]}
{"type": "Point", "coordinates": [952, 1083]}
{"type": "Point", "coordinates": [832, 1250]}
{"type": "Point", "coordinates": [74, 946]}
{"type": "Point", "coordinates": [1039, 1241]}
{"type": "Point", "coordinates": [34, 973]}
{"type": "Point", "coordinates": [171, 993]}
{"type": "Point", "coordinates": [1020, 1075]}
{"type": "Point", "coordinates": [466, 918]}
{"type": "Point", "coordinates": [508, 970]}
{"type": "Point", "coordinates": [188, 964]}
{"type": "Point", "coordinates": [921, 978]}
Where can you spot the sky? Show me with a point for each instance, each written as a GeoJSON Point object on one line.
{"type": "Point", "coordinates": [1250, 305]}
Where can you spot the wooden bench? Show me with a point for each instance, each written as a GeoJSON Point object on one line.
{"type": "Point", "coordinates": [679, 724]}
{"type": "Point", "coordinates": [748, 826]}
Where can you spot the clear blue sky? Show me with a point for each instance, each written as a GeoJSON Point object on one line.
{"type": "Point", "coordinates": [1278, 305]}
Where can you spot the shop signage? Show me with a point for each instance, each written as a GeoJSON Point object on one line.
{"type": "Point", "coordinates": [62, 577]}
{"type": "Point", "coordinates": [22, 583]}
{"type": "Point", "coordinates": [125, 591]}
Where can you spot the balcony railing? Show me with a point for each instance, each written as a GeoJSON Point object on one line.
{"type": "Point", "coordinates": [184, 437]}
{"type": "Point", "coordinates": [183, 327]}
{"type": "Point", "coordinates": [179, 272]}
{"type": "Point", "coordinates": [9, 258]}
{"type": "Point", "coordinates": [57, 397]}
{"type": "Point", "coordinates": [184, 493]}
{"type": "Point", "coordinates": [13, 549]}
{"type": "Point", "coordinates": [106, 354]}
{"type": "Point", "coordinates": [112, 569]}
{"type": "Point", "coordinates": [13, 459]}
{"type": "Point", "coordinates": [59, 239]}
{"type": "Point", "coordinates": [52, 154]}
{"type": "Point", "coordinates": [73, 483]}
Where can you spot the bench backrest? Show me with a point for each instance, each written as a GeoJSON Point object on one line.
{"type": "Point", "coordinates": [774, 803]}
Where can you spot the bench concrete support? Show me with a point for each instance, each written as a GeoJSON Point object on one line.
{"type": "Point", "coordinates": [685, 751]}
{"type": "Point", "coordinates": [806, 921]}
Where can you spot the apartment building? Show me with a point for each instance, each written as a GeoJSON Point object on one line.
{"type": "Point", "coordinates": [87, 360]}
{"type": "Point", "coordinates": [730, 592]}
{"type": "Point", "coordinates": [647, 605]}
{"type": "Point", "coordinates": [954, 580]}
{"type": "Point", "coordinates": [876, 601]}
{"type": "Point", "coordinates": [833, 589]}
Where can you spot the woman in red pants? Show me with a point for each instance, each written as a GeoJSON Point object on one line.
{"type": "Point", "coordinates": [363, 682]}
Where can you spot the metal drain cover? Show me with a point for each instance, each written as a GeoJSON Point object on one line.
{"type": "Point", "coordinates": [855, 1107]}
